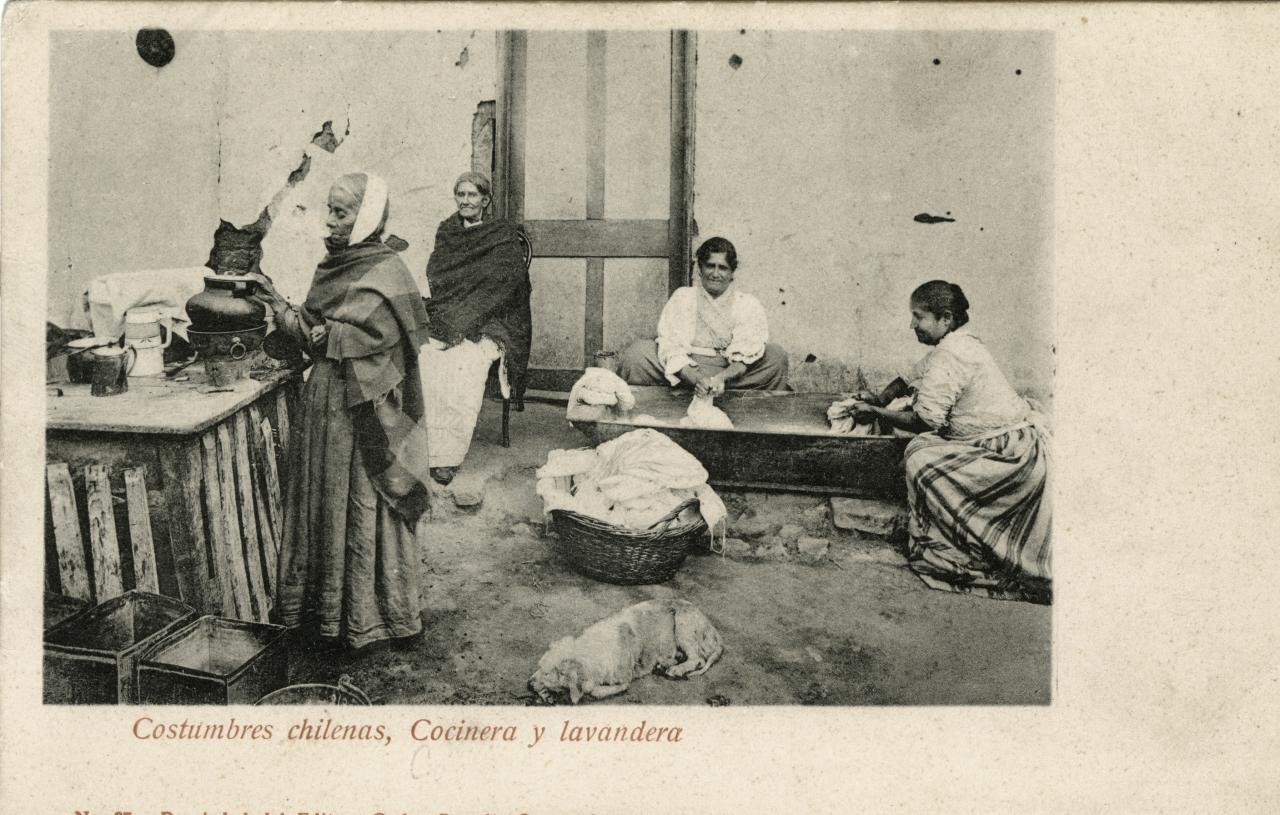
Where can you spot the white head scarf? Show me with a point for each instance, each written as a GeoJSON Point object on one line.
{"type": "Point", "coordinates": [371, 191]}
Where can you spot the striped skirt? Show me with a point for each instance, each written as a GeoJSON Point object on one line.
{"type": "Point", "coordinates": [980, 513]}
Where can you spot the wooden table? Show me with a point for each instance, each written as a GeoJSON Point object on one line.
{"type": "Point", "coordinates": [197, 472]}
{"type": "Point", "coordinates": [779, 441]}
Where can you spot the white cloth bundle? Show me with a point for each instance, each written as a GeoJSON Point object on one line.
{"type": "Point", "coordinates": [164, 290]}
{"type": "Point", "coordinates": [703, 413]}
{"type": "Point", "coordinates": [840, 416]}
{"type": "Point", "coordinates": [600, 386]}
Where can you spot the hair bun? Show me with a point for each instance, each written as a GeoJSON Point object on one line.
{"type": "Point", "coordinates": [958, 298]}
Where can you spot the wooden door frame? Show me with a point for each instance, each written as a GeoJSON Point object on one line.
{"type": "Point", "coordinates": [594, 237]}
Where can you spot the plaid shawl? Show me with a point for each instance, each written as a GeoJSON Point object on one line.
{"type": "Point", "coordinates": [377, 323]}
{"type": "Point", "coordinates": [480, 287]}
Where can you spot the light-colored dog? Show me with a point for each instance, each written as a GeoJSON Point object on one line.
{"type": "Point", "coordinates": [671, 637]}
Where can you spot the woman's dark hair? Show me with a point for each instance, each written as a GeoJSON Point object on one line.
{"type": "Point", "coordinates": [712, 245]}
{"type": "Point", "coordinates": [938, 297]}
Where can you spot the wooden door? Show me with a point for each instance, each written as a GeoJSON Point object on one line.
{"type": "Point", "coordinates": [594, 155]}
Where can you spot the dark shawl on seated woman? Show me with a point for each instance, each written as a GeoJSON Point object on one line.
{"type": "Point", "coordinates": [377, 323]}
{"type": "Point", "coordinates": [480, 287]}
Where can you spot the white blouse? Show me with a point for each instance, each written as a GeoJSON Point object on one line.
{"type": "Point", "coordinates": [732, 326]}
{"type": "Point", "coordinates": [960, 390]}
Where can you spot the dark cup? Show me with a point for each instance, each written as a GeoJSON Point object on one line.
{"type": "Point", "coordinates": [80, 366]}
{"type": "Point", "coordinates": [111, 370]}
{"type": "Point", "coordinates": [607, 360]}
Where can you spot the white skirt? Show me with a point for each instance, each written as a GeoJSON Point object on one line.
{"type": "Point", "coordinates": [453, 388]}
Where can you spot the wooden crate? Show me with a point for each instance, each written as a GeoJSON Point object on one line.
{"type": "Point", "coordinates": [177, 492]}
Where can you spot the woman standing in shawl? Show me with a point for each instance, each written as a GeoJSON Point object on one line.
{"type": "Point", "coordinates": [478, 302]}
{"type": "Point", "coordinates": [358, 459]}
{"type": "Point", "coordinates": [977, 478]}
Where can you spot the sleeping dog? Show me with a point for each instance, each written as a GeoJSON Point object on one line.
{"type": "Point", "coordinates": [671, 637]}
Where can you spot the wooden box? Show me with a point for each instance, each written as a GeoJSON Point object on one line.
{"type": "Point", "coordinates": [92, 657]}
{"type": "Point", "coordinates": [215, 661]}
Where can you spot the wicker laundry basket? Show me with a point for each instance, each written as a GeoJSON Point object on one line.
{"type": "Point", "coordinates": [627, 557]}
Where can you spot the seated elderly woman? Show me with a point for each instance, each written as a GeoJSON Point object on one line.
{"type": "Point", "coordinates": [977, 476]}
{"type": "Point", "coordinates": [479, 308]}
{"type": "Point", "coordinates": [710, 336]}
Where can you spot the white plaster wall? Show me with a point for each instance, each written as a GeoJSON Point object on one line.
{"type": "Point", "coordinates": [408, 108]}
{"type": "Point", "coordinates": [144, 161]}
{"type": "Point", "coordinates": [815, 155]}
{"type": "Point", "coordinates": [132, 160]}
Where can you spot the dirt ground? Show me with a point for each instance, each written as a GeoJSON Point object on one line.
{"type": "Point", "coordinates": [854, 628]}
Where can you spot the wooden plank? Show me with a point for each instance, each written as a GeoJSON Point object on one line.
{"type": "Point", "coordinates": [145, 576]}
{"type": "Point", "coordinates": [217, 526]}
{"type": "Point", "coordinates": [613, 238]}
{"type": "Point", "coordinates": [553, 379]}
{"type": "Point", "coordinates": [234, 551]}
{"type": "Point", "coordinates": [683, 86]}
{"type": "Point", "coordinates": [597, 109]}
{"type": "Point", "coordinates": [593, 310]}
{"type": "Point", "coordinates": [73, 568]}
{"type": "Point", "coordinates": [269, 550]}
{"type": "Point", "coordinates": [252, 544]}
{"type": "Point", "coordinates": [158, 405]}
{"type": "Point", "coordinates": [192, 561]}
{"type": "Point", "coordinates": [509, 164]}
{"type": "Point", "coordinates": [104, 547]}
{"type": "Point", "coordinates": [272, 483]}
{"type": "Point", "coordinates": [560, 398]}
{"type": "Point", "coordinates": [260, 450]}
{"type": "Point", "coordinates": [283, 426]}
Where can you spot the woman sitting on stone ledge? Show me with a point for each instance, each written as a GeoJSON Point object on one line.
{"type": "Point", "coordinates": [710, 336]}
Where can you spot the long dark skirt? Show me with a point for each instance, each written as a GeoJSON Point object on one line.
{"type": "Point", "coordinates": [347, 561]}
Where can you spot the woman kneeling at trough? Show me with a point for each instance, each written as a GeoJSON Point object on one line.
{"type": "Point", "coordinates": [358, 458]}
{"type": "Point", "coordinates": [977, 477]}
{"type": "Point", "coordinates": [479, 308]}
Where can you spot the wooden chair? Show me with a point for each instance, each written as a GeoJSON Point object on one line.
{"type": "Point", "coordinates": [527, 245]}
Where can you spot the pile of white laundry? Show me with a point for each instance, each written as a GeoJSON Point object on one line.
{"type": "Point", "coordinates": [632, 481]}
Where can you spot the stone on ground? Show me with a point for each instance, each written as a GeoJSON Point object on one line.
{"type": "Point", "coordinates": [751, 525]}
{"type": "Point", "coordinates": [468, 497]}
{"type": "Point", "coordinates": [737, 548]}
{"type": "Point", "coordinates": [790, 533]}
{"type": "Point", "coordinates": [813, 548]}
{"type": "Point", "coordinates": [868, 515]}
{"type": "Point", "coordinates": [773, 549]}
